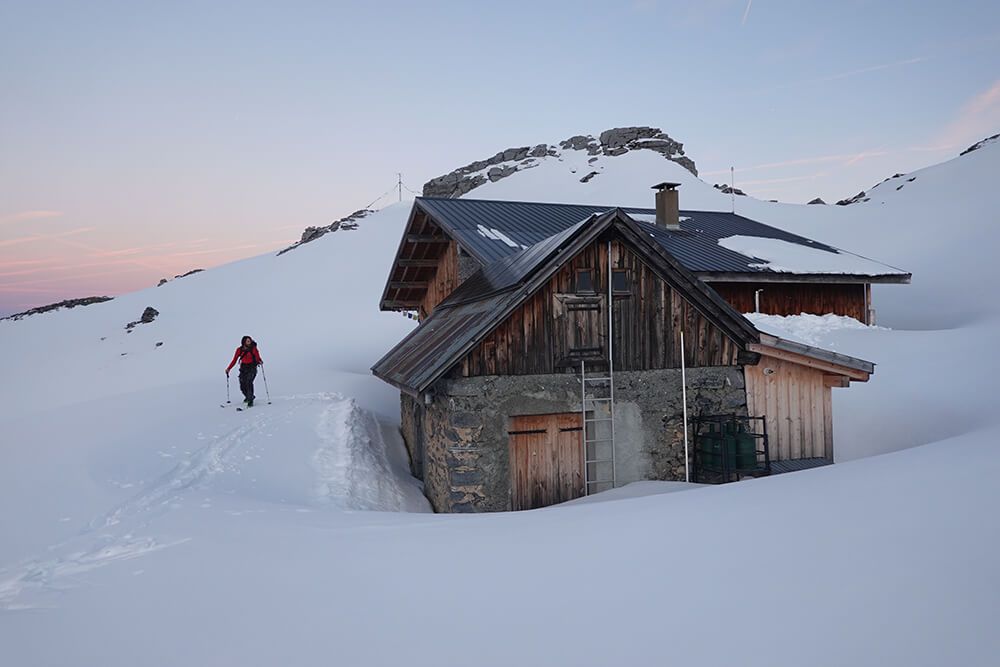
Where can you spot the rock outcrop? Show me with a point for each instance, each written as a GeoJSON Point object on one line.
{"type": "Point", "coordinates": [148, 315]}
{"type": "Point", "coordinates": [347, 223]}
{"type": "Point", "coordinates": [611, 143]}
{"type": "Point", "coordinates": [729, 190]}
{"type": "Point", "coordinates": [817, 201]}
{"type": "Point", "coordinates": [861, 196]}
{"type": "Point", "coordinates": [979, 144]}
{"type": "Point", "coordinates": [69, 303]}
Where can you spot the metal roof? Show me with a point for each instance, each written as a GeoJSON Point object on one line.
{"type": "Point", "coordinates": [490, 230]}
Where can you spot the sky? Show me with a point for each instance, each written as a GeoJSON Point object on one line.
{"type": "Point", "coordinates": [142, 140]}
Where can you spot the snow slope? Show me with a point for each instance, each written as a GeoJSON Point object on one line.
{"type": "Point", "coordinates": [143, 524]}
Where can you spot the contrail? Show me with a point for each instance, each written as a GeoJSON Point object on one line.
{"type": "Point", "coordinates": [746, 13]}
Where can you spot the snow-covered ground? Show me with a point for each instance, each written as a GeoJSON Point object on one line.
{"type": "Point", "coordinates": [142, 524]}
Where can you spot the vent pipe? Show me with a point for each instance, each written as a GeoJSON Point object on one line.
{"type": "Point", "coordinates": [667, 206]}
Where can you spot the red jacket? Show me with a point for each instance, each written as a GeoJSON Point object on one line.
{"type": "Point", "coordinates": [251, 356]}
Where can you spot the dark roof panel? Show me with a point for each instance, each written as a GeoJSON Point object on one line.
{"type": "Point", "coordinates": [490, 230]}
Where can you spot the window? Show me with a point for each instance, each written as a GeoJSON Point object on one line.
{"type": "Point", "coordinates": [620, 283]}
{"type": "Point", "coordinates": [584, 281]}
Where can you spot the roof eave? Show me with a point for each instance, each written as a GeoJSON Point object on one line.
{"type": "Point", "coordinates": [856, 369]}
{"type": "Point", "coordinates": [783, 277]}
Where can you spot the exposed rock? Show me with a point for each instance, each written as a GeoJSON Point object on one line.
{"type": "Point", "coordinates": [578, 142]}
{"type": "Point", "coordinates": [69, 303]}
{"type": "Point", "coordinates": [148, 315]}
{"type": "Point", "coordinates": [189, 273]}
{"type": "Point", "coordinates": [158, 344]}
{"type": "Point", "coordinates": [163, 281]}
{"type": "Point", "coordinates": [817, 201]}
{"type": "Point", "coordinates": [860, 197]}
{"type": "Point", "coordinates": [496, 173]}
{"type": "Point", "coordinates": [347, 223]}
{"type": "Point", "coordinates": [586, 179]}
{"type": "Point", "coordinates": [979, 144]}
{"type": "Point", "coordinates": [729, 190]}
{"type": "Point", "coordinates": [613, 142]}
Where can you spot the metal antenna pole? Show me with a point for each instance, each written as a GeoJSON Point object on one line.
{"type": "Point", "coordinates": [611, 370]}
{"type": "Point", "coordinates": [684, 398]}
{"type": "Point", "coordinates": [732, 187]}
{"type": "Point", "coordinates": [399, 184]}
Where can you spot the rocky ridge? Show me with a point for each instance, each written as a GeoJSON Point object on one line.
{"type": "Point", "coordinates": [979, 144]}
{"type": "Point", "coordinates": [69, 303]}
{"type": "Point", "coordinates": [346, 223]}
{"type": "Point", "coordinates": [611, 143]}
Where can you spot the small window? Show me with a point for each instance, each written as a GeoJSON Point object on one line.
{"type": "Point", "coordinates": [620, 283]}
{"type": "Point", "coordinates": [585, 281]}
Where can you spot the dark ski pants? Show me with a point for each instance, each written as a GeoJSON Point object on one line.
{"type": "Point", "coordinates": [247, 374]}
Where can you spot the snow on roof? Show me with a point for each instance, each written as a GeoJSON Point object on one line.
{"type": "Point", "coordinates": [806, 329]}
{"type": "Point", "coordinates": [651, 217]}
{"type": "Point", "coordinates": [786, 257]}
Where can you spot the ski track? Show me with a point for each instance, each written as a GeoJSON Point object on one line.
{"type": "Point", "coordinates": [352, 471]}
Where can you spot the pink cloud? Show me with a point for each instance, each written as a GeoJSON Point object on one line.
{"type": "Point", "coordinates": [978, 118]}
{"type": "Point", "coordinates": [44, 237]}
{"type": "Point", "coordinates": [29, 215]}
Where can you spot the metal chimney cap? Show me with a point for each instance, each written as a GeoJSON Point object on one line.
{"type": "Point", "coordinates": [666, 186]}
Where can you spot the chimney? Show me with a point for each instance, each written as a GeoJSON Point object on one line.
{"type": "Point", "coordinates": [667, 208]}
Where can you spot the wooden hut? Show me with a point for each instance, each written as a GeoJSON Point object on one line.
{"type": "Point", "coordinates": [560, 369]}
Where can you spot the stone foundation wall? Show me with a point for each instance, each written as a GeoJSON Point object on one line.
{"type": "Point", "coordinates": [464, 429]}
{"type": "Point", "coordinates": [411, 415]}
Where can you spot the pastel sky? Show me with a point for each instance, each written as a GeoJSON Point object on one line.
{"type": "Point", "coordinates": [139, 140]}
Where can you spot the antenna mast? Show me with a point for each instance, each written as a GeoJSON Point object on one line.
{"type": "Point", "coordinates": [399, 184]}
{"type": "Point", "coordinates": [732, 186]}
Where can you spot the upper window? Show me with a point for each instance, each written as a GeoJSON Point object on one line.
{"type": "Point", "coordinates": [620, 283]}
{"type": "Point", "coordinates": [584, 281]}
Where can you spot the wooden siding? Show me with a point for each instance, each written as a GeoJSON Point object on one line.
{"type": "Point", "coordinates": [797, 404]}
{"type": "Point", "coordinates": [795, 298]}
{"type": "Point", "coordinates": [443, 282]}
{"type": "Point", "coordinates": [546, 459]}
{"type": "Point", "coordinates": [556, 327]}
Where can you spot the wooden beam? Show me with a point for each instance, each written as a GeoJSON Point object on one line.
{"type": "Point", "coordinates": [836, 381]}
{"type": "Point", "coordinates": [810, 362]}
{"type": "Point", "coordinates": [395, 303]}
{"type": "Point", "coordinates": [409, 284]}
{"type": "Point", "coordinates": [426, 238]}
{"type": "Point", "coordinates": [420, 263]}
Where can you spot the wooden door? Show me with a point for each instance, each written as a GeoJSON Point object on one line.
{"type": "Point", "coordinates": [546, 459]}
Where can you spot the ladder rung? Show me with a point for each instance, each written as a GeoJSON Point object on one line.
{"type": "Point", "coordinates": [599, 461]}
{"type": "Point", "coordinates": [602, 400]}
{"type": "Point", "coordinates": [602, 419]}
{"type": "Point", "coordinates": [596, 379]}
{"type": "Point", "coordinates": [591, 442]}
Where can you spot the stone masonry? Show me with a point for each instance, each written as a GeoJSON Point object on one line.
{"type": "Point", "coordinates": [460, 445]}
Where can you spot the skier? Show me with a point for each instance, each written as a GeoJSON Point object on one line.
{"type": "Point", "coordinates": [249, 358]}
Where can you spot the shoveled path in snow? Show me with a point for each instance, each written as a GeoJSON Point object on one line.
{"type": "Point", "coordinates": [310, 451]}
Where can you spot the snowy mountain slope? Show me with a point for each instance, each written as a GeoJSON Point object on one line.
{"type": "Point", "coordinates": [142, 524]}
{"type": "Point", "coordinates": [97, 418]}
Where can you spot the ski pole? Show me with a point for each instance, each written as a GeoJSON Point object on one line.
{"type": "Point", "coordinates": [227, 388]}
{"type": "Point", "coordinates": [266, 390]}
